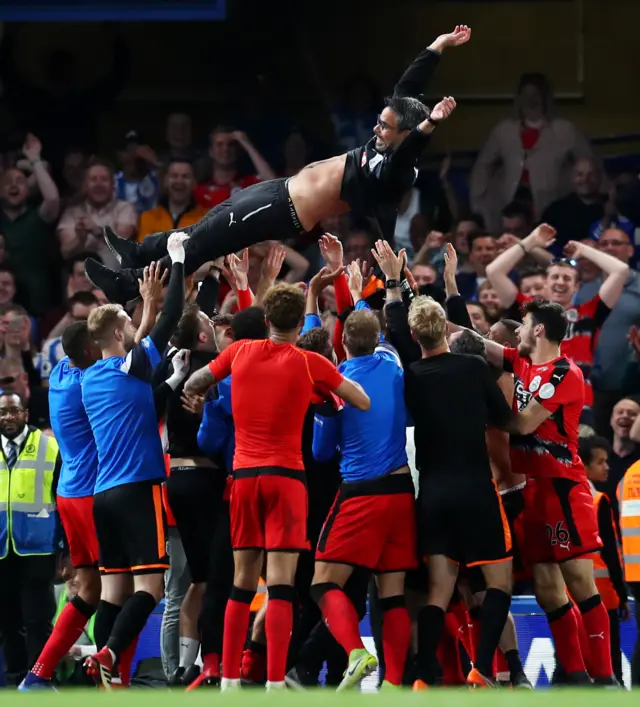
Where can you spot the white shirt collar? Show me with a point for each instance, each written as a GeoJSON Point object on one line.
{"type": "Point", "coordinates": [19, 440]}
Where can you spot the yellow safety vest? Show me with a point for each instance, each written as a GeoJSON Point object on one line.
{"type": "Point", "coordinates": [258, 599]}
{"type": "Point", "coordinates": [28, 517]}
{"type": "Point", "coordinates": [629, 502]}
{"type": "Point", "coordinates": [610, 598]}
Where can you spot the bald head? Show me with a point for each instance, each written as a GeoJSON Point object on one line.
{"type": "Point", "coordinates": [586, 178]}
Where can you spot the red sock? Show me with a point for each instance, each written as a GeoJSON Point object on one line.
{"type": "Point", "coordinates": [500, 664]}
{"type": "Point", "coordinates": [396, 637]}
{"type": "Point", "coordinates": [597, 630]}
{"type": "Point", "coordinates": [459, 609]}
{"type": "Point", "coordinates": [236, 625]}
{"type": "Point", "coordinates": [278, 626]}
{"type": "Point", "coordinates": [582, 637]}
{"type": "Point", "coordinates": [66, 632]}
{"type": "Point", "coordinates": [125, 661]}
{"type": "Point", "coordinates": [211, 664]}
{"type": "Point", "coordinates": [341, 618]}
{"type": "Point", "coordinates": [564, 629]}
{"type": "Point", "coordinates": [474, 631]}
{"type": "Point", "coordinates": [449, 652]}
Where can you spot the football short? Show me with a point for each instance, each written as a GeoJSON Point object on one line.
{"type": "Point", "coordinates": [131, 527]}
{"type": "Point", "coordinates": [559, 520]}
{"type": "Point", "coordinates": [195, 497]}
{"type": "Point", "coordinates": [461, 517]}
{"type": "Point", "coordinates": [268, 509]}
{"type": "Point", "coordinates": [372, 524]}
{"type": "Point", "coordinates": [76, 515]}
{"type": "Point", "coordinates": [513, 503]}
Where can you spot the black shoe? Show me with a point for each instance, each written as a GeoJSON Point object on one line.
{"type": "Point", "coordinates": [521, 681]}
{"type": "Point", "coordinates": [579, 678]}
{"type": "Point", "coordinates": [190, 674]}
{"type": "Point", "coordinates": [611, 683]}
{"type": "Point", "coordinates": [119, 287]}
{"type": "Point", "coordinates": [126, 251]}
{"type": "Point", "coordinates": [176, 678]}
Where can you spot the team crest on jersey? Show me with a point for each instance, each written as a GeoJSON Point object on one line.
{"type": "Point", "coordinates": [522, 395]}
{"type": "Point", "coordinates": [547, 391]}
{"type": "Point", "coordinates": [535, 384]}
{"type": "Point", "coordinates": [572, 315]}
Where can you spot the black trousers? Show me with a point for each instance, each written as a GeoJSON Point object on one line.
{"type": "Point", "coordinates": [27, 608]}
{"type": "Point", "coordinates": [259, 213]}
{"type": "Point", "coordinates": [616, 655]}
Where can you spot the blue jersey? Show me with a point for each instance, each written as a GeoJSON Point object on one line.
{"type": "Point", "coordinates": [118, 398]}
{"type": "Point", "coordinates": [371, 443]}
{"type": "Point", "coordinates": [52, 353]}
{"type": "Point", "coordinates": [72, 431]}
{"type": "Point", "coordinates": [217, 433]}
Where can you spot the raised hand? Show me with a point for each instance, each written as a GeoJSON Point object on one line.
{"type": "Point", "coordinates": [331, 249]}
{"type": "Point", "coordinates": [152, 282]}
{"type": "Point", "coordinates": [32, 148]}
{"type": "Point", "coordinates": [574, 249]}
{"type": "Point", "coordinates": [542, 236]}
{"type": "Point", "coordinates": [175, 246]}
{"type": "Point", "coordinates": [180, 363]}
{"type": "Point", "coordinates": [390, 263]}
{"type": "Point", "coordinates": [272, 264]}
{"type": "Point", "coordinates": [441, 111]}
{"type": "Point", "coordinates": [325, 277]}
{"type": "Point", "coordinates": [354, 272]}
{"type": "Point", "coordinates": [450, 262]}
{"type": "Point", "coordinates": [410, 278]}
{"type": "Point", "coordinates": [240, 268]}
{"type": "Point", "coordinates": [461, 35]}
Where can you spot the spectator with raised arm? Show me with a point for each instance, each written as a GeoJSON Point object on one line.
{"type": "Point", "coordinates": [225, 176]}
{"type": "Point", "coordinates": [80, 228]}
{"type": "Point", "coordinates": [28, 230]}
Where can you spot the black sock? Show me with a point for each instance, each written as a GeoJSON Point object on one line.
{"type": "Point", "coordinates": [131, 621]}
{"type": "Point", "coordinates": [430, 626]}
{"type": "Point", "coordinates": [495, 609]}
{"type": "Point", "coordinates": [514, 662]}
{"type": "Point", "coordinates": [105, 619]}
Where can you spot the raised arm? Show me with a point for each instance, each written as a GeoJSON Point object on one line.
{"type": "Point", "coordinates": [412, 83]}
{"type": "Point", "coordinates": [498, 271]}
{"type": "Point", "coordinates": [50, 206]}
{"type": "Point", "coordinates": [262, 167]}
{"type": "Point", "coordinates": [150, 287]}
{"type": "Point", "coordinates": [616, 271]}
{"type": "Point", "coordinates": [174, 300]}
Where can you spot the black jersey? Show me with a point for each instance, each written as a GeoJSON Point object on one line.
{"type": "Point", "coordinates": [374, 183]}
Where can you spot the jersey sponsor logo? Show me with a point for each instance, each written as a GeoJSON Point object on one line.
{"type": "Point", "coordinates": [547, 391]}
{"type": "Point", "coordinates": [522, 395]}
{"type": "Point", "coordinates": [535, 384]}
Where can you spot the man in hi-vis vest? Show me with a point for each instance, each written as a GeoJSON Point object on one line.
{"type": "Point", "coordinates": [629, 502]}
{"type": "Point", "coordinates": [29, 536]}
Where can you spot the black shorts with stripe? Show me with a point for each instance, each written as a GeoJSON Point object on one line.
{"type": "Point", "coordinates": [461, 517]}
{"type": "Point", "coordinates": [131, 527]}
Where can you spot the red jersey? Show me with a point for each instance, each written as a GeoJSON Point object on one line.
{"type": "Point", "coordinates": [558, 385]}
{"type": "Point", "coordinates": [211, 194]}
{"type": "Point", "coordinates": [584, 324]}
{"type": "Point", "coordinates": [272, 386]}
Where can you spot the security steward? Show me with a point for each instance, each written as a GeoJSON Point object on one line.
{"type": "Point", "coordinates": [30, 535]}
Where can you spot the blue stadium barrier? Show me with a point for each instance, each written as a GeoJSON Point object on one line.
{"type": "Point", "coordinates": [534, 638]}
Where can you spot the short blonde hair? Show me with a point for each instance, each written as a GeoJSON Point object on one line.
{"type": "Point", "coordinates": [428, 322]}
{"type": "Point", "coordinates": [103, 320]}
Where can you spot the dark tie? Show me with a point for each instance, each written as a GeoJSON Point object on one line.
{"type": "Point", "coordinates": [12, 454]}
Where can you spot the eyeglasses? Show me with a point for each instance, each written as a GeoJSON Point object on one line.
{"type": "Point", "coordinates": [384, 125]}
{"type": "Point", "coordinates": [565, 261]}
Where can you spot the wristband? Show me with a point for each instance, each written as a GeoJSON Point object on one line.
{"type": "Point", "coordinates": [433, 122]}
{"type": "Point", "coordinates": [526, 252]}
{"type": "Point", "coordinates": [392, 284]}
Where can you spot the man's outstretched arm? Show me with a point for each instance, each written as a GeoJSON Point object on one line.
{"type": "Point", "coordinates": [414, 80]}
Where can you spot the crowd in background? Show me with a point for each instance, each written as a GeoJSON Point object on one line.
{"type": "Point", "coordinates": [535, 166]}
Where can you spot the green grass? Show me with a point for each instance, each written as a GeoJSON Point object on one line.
{"type": "Point", "coordinates": [321, 698]}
